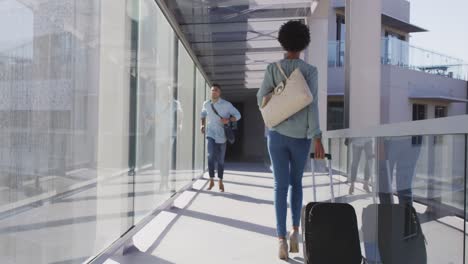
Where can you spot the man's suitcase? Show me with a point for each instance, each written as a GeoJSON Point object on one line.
{"type": "Point", "coordinates": [330, 231]}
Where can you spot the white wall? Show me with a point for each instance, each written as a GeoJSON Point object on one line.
{"type": "Point", "coordinates": [317, 54]}
{"type": "Point", "coordinates": [397, 8]}
{"type": "Point", "coordinates": [397, 84]}
{"type": "Point", "coordinates": [363, 29]}
{"type": "Point", "coordinates": [402, 83]}
{"type": "Point", "coordinates": [332, 22]}
{"type": "Point", "coordinates": [337, 3]}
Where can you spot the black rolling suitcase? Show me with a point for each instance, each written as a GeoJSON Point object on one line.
{"type": "Point", "coordinates": [330, 232]}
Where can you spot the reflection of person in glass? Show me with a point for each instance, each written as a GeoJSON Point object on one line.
{"type": "Point", "coordinates": [166, 127]}
{"type": "Point", "coordinates": [392, 232]}
{"type": "Point", "coordinates": [399, 154]}
{"type": "Point", "coordinates": [358, 146]}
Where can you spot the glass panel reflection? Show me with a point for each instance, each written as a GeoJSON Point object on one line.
{"type": "Point", "coordinates": [156, 110]}
{"type": "Point", "coordinates": [185, 119]}
{"type": "Point", "coordinates": [408, 193]}
{"type": "Point", "coordinates": [75, 77]}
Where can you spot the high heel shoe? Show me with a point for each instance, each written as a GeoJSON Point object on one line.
{"type": "Point", "coordinates": [294, 242]}
{"type": "Point", "coordinates": [283, 249]}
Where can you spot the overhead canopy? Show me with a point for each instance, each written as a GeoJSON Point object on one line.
{"type": "Point", "coordinates": [236, 39]}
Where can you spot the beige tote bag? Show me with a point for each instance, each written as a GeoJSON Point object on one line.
{"type": "Point", "coordinates": [289, 97]}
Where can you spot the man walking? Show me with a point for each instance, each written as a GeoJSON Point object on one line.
{"type": "Point", "coordinates": [215, 114]}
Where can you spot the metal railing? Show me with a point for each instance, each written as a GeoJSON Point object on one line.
{"type": "Point", "coordinates": [422, 163]}
{"type": "Point", "coordinates": [402, 54]}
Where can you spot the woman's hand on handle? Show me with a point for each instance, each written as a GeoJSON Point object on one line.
{"type": "Point", "coordinates": [319, 151]}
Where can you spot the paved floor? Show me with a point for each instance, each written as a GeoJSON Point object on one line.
{"type": "Point", "coordinates": [238, 226]}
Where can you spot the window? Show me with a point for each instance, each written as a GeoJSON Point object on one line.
{"type": "Point", "coordinates": [340, 28]}
{"type": "Point", "coordinates": [440, 111]}
{"type": "Point", "coordinates": [335, 115]}
{"type": "Point", "coordinates": [419, 113]}
{"type": "Point", "coordinates": [394, 35]}
{"type": "Point", "coordinates": [396, 49]}
{"type": "Point", "coordinates": [341, 38]}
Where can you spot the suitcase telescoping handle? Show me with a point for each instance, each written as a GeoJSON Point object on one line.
{"type": "Point", "coordinates": [330, 175]}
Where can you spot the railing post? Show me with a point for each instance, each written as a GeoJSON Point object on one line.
{"type": "Point", "coordinates": [312, 168]}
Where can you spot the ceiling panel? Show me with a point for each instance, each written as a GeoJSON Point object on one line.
{"type": "Point", "coordinates": [235, 40]}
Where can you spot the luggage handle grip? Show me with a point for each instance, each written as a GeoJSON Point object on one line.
{"type": "Point", "coordinates": [327, 156]}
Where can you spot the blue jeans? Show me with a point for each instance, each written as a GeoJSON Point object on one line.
{"type": "Point", "coordinates": [216, 155]}
{"type": "Point", "coordinates": [288, 156]}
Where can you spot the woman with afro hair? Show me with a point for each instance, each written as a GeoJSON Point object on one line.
{"type": "Point", "coordinates": [289, 142]}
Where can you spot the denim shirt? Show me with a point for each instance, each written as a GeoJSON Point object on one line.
{"type": "Point", "coordinates": [214, 126]}
{"type": "Point", "coordinates": [305, 123]}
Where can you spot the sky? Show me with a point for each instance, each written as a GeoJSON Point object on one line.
{"type": "Point", "coordinates": [447, 22]}
{"type": "Point", "coordinates": [15, 24]}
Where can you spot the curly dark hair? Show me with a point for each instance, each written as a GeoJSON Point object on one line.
{"type": "Point", "coordinates": [294, 36]}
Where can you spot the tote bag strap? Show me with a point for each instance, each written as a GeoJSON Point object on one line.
{"type": "Point", "coordinates": [281, 70]}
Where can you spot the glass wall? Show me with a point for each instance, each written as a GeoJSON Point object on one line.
{"type": "Point", "coordinates": [157, 108]}
{"type": "Point", "coordinates": [95, 124]}
{"type": "Point", "coordinates": [402, 53]}
{"type": "Point", "coordinates": [185, 119]}
{"type": "Point", "coordinates": [409, 198]}
{"type": "Point", "coordinates": [207, 97]}
{"type": "Point", "coordinates": [200, 94]}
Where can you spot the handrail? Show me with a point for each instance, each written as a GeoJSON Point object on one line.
{"type": "Point", "coordinates": [403, 54]}
{"type": "Point", "coordinates": [439, 126]}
